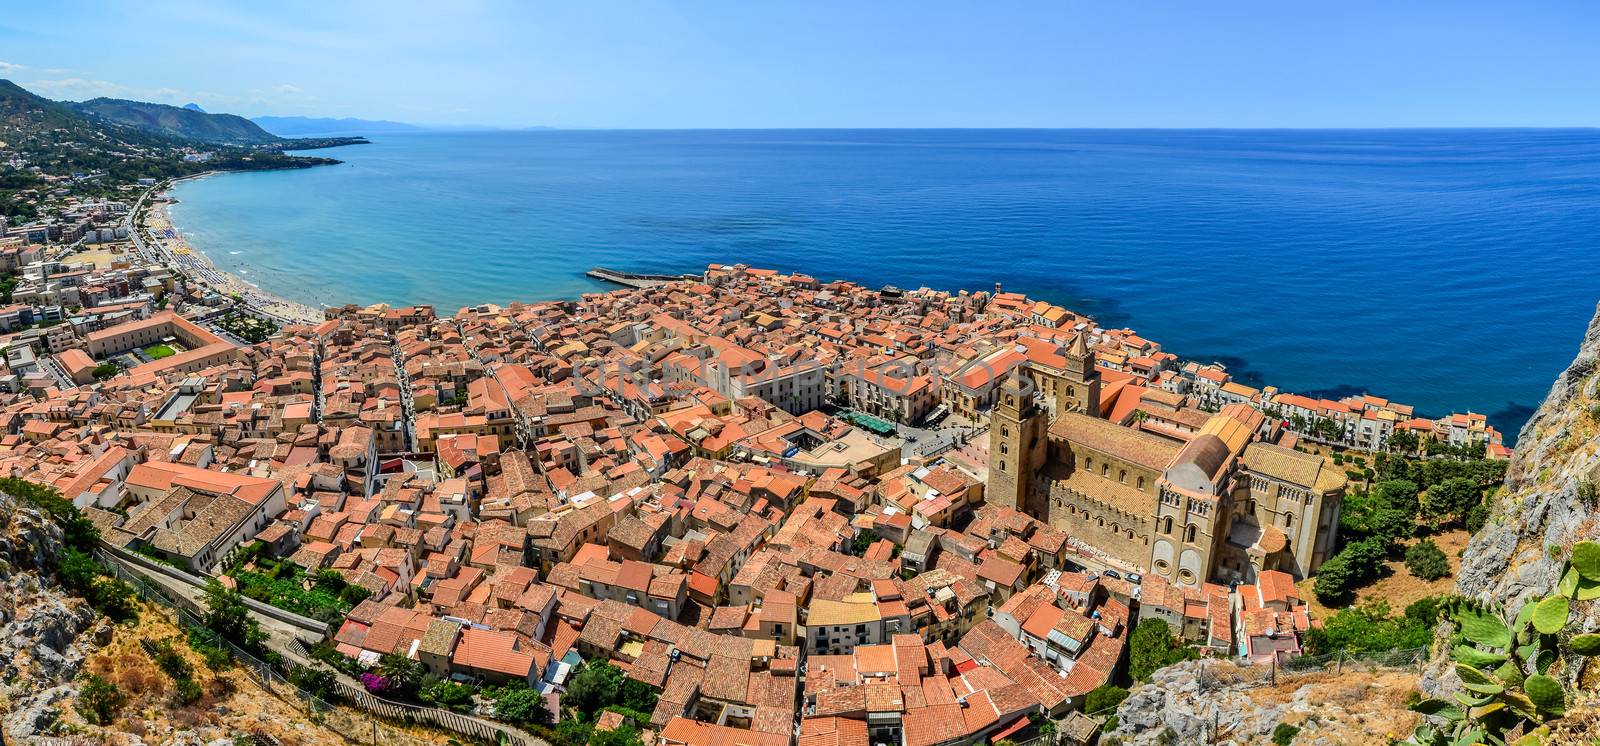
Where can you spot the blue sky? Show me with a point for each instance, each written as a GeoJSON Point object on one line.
{"type": "Point", "coordinates": [755, 63]}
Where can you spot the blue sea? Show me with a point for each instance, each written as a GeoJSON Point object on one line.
{"type": "Point", "coordinates": [1450, 269]}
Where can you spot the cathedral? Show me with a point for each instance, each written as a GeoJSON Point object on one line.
{"type": "Point", "coordinates": [1163, 487]}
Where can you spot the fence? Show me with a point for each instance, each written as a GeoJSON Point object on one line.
{"type": "Point", "coordinates": [350, 723]}
{"type": "Point", "coordinates": [1235, 674]}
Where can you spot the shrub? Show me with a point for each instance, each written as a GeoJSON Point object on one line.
{"type": "Point", "coordinates": [217, 657]}
{"type": "Point", "coordinates": [185, 691]}
{"type": "Point", "coordinates": [624, 736]}
{"type": "Point", "coordinates": [1371, 627]}
{"type": "Point", "coordinates": [445, 693]}
{"type": "Point", "coordinates": [1152, 647]}
{"type": "Point", "coordinates": [98, 700]}
{"type": "Point", "coordinates": [1284, 734]}
{"type": "Point", "coordinates": [114, 598]}
{"type": "Point", "coordinates": [376, 684]}
{"type": "Point", "coordinates": [1425, 560]}
{"type": "Point", "coordinates": [521, 705]}
{"type": "Point", "coordinates": [317, 682]}
{"type": "Point", "coordinates": [1105, 697]}
{"type": "Point", "coordinates": [1587, 493]}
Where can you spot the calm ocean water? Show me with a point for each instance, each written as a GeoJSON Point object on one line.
{"type": "Point", "coordinates": [1448, 269]}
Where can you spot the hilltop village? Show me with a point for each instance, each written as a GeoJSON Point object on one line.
{"type": "Point", "coordinates": [785, 508]}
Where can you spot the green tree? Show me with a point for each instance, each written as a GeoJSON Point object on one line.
{"type": "Point", "coordinates": [1400, 494]}
{"type": "Point", "coordinates": [318, 682]}
{"type": "Point", "coordinates": [1354, 566]}
{"type": "Point", "coordinates": [404, 673]}
{"type": "Point", "coordinates": [596, 685]}
{"type": "Point", "coordinates": [862, 542]}
{"type": "Point", "coordinates": [1425, 560]}
{"type": "Point", "coordinates": [1403, 441]}
{"type": "Point", "coordinates": [522, 706]}
{"type": "Point", "coordinates": [638, 696]}
{"type": "Point", "coordinates": [1450, 499]}
{"type": "Point", "coordinates": [227, 615]}
{"type": "Point", "coordinates": [1152, 647]}
{"type": "Point", "coordinates": [1477, 516]}
{"type": "Point", "coordinates": [624, 736]}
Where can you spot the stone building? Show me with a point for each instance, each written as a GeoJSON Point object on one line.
{"type": "Point", "coordinates": [1214, 504]}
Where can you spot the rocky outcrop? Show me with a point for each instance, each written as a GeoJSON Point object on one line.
{"type": "Point", "coordinates": [1352, 707]}
{"type": "Point", "coordinates": [1543, 508]}
{"type": "Point", "coordinates": [42, 640]}
{"type": "Point", "coordinates": [1548, 503]}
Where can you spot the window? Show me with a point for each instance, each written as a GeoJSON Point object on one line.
{"type": "Point", "coordinates": [1141, 483]}
{"type": "Point", "coordinates": [1122, 476]}
{"type": "Point", "coordinates": [1189, 533]}
{"type": "Point", "coordinates": [1166, 525]}
{"type": "Point", "coordinates": [1288, 520]}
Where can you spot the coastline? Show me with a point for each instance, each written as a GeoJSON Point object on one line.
{"type": "Point", "coordinates": [170, 249]}
{"type": "Point", "coordinates": [524, 233]}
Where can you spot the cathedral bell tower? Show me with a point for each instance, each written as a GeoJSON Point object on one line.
{"type": "Point", "coordinates": [1017, 447]}
{"type": "Point", "coordinates": [1080, 392]}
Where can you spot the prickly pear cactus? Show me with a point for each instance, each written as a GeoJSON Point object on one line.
{"type": "Point", "coordinates": [1508, 695]}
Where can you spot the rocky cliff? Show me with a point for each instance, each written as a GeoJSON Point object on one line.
{"type": "Point", "coordinates": [1548, 502]}
{"type": "Point", "coordinates": [42, 640]}
{"type": "Point", "coordinates": [1327, 709]}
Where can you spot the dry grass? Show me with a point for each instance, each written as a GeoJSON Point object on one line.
{"type": "Point", "coordinates": [1399, 587]}
{"type": "Point", "coordinates": [1355, 707]}
{"type": "Point", "coordinates": [230, 703]}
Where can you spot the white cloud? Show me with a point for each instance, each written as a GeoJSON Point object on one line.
{"type": "Point", "coordinates": [79, 89]}
{"type": "Point", "coordinates": [289, 89]}
{"type": "Point", "coordinates": [9, 67]}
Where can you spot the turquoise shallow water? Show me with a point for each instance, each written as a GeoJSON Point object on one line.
{"type": "Point", "coordinates": [1449, 268]}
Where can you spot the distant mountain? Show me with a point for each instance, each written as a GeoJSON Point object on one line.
{"type": "Point", "coordinates": [91, 147]}
{"type": "Point", "coordinates": [302, 126]}
{"type": "Point", "coordinates": [180, 122]}
{"type": "Point", "coordinates": [24, 112]}
{"type": "Point", "coordinates": [191, 106]}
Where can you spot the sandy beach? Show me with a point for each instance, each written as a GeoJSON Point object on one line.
{"type": "Point", "coordinates": [175, 252]}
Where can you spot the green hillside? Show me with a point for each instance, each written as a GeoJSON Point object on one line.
{"type": "Point", "coordinates": [175, 121]}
